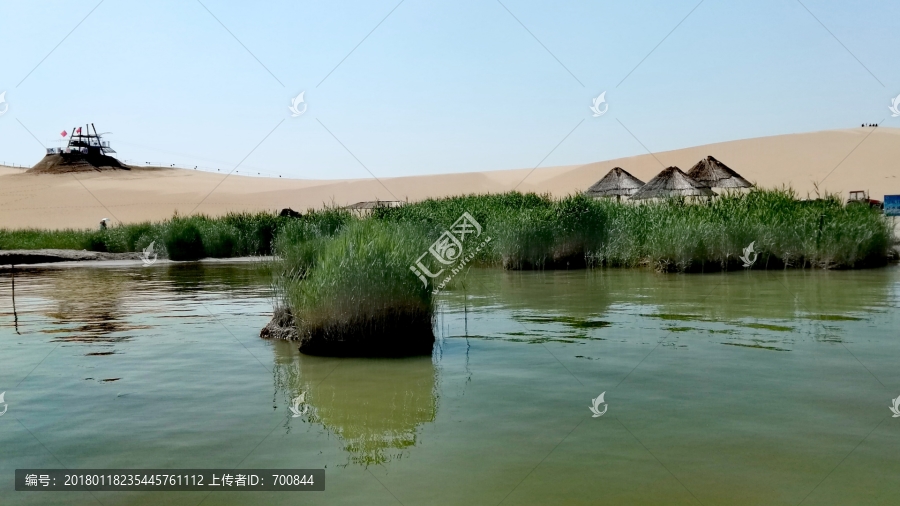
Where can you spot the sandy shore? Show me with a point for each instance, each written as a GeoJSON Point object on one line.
{"type": "Point", "coordinates": [840, 160]}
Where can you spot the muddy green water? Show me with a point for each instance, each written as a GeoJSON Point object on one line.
{"type": "Point", "coordinates": [743, 388]}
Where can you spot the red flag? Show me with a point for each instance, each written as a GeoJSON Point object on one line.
{"type": "Point", "coordinates": [78, 131]}
{"type": "Point", "coordinates": [63, 133]}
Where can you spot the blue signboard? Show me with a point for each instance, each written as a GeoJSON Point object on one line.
{"type": "Point", "coordinates": [892, 205]}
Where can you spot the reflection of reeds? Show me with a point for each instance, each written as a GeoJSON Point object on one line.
{"type": "Point", "coordinates": [94, 304]}
{"type": "Point", "coordinates": [354, 295]}
{"type": "Point", "coordinates": [89, 306]}
{"type": "Point", "coordinates": [375, 406]}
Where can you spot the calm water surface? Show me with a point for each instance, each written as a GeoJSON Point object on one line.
{"type": "Point", "coordinates": [742, 388]}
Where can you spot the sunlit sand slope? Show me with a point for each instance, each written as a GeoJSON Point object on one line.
{"type": "Point", "coordinates": [839, 160]}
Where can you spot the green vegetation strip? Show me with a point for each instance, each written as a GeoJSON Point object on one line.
{"type": "Point", "coordinates": [538, 232]}
{"type": "Point", "coordinates": [345, 277]}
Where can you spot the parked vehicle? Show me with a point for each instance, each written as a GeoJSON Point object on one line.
{"type": "Point", "coordinates": [862, 197]}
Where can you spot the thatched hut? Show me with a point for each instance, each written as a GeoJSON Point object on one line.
{"type": "Point", "coordinates": [716, 174]}
{"type": "Point", "coordinates": [616, 183]}
{"type": "Point", "coordinates": [672, 182]}
{"type": "Point", "coordinates": [365, 208]}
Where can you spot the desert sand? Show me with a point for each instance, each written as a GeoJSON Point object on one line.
{"type": "Point", "coordinates": [838, 160]}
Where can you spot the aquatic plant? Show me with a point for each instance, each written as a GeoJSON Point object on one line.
{"type": "Point", "coordinates": [539, 232]}
{"type": "Point", "coordinates": [533, 231]}
{"type": "Point", "coordinates": [235, 234]}
{"type": "Point", "coordinates": [300, 241]}
{"type": "Point", "coordinates": [669, 235]}
{"type": "Point", "coordinates": [356, 294]}
{"type": "Point", "coordinates": [182, 240]}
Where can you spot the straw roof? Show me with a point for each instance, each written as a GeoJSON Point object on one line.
{"type": "Point", "coordinates": [672, 182]}
{"type": "Point", "coordinates": [373, 204]}
{"type": "Point", "coordinates": [716, 174]}
{"type": "Point", "coordinates": [366, 208]}
{"type": "Point", "coordinates": [616, 183]}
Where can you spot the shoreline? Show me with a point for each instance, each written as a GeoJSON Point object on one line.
{"type": "Point", "coordinates": [83, 258]}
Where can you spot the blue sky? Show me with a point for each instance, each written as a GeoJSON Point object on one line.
{"type": "Point", "coordinates": [438, 86]}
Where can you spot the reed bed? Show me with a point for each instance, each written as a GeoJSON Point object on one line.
{"type": "Point", "coordinates": [347, 288]}
{"type": "Point", "coordinates": [536, 232]}
{"type": "Point", "coordinates": [674, 235]}
{"type": "Point", "coordinates": [344, 285]}
{"type": "Point", "coordinates": [354, 295]}
{"type": "Point", "coordinates": [179, 238]}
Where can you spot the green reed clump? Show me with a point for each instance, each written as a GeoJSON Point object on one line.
{"type": "Point", "coordinates": [555, 236]}
{"type": "Point", "coordinates": [675, 235]}
{"type": "Point", "coordinates": [531, 231]}
{"type": "Point", "coordinates": [433, 216]}
{"type": "Point", "coordinates": [233, 235]}
{"type": "Point", "coordinates": [182, 239]}
{"type": "Point", "coordinates": [43, 239]}
{"type": "Point", "coordinates": [179, 238]}
{"type": "Point", "coordinates": [437, 214]}
{"type": "Point", "coordinates": [535, 232]}
{"type": "Point", "coordinates": [357, 295]}
{"type": "Point", "coordinates": [525, 239]}
{"type": "Point", "coordinates": [300, 241]}
{"type": "Point", "coordinates": [114, 239]}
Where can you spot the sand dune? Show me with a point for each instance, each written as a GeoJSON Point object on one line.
{"type": "Point", "coordinates": [840, 160]}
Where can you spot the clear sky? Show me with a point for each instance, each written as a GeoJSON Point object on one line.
{"type": "Point", "coordinates": [437, 86]}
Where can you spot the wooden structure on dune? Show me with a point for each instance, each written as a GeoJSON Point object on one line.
{"type": "Point", "coordinates": [617, 183]}
{"type": "Point", "coordinates": [715, 174]}
{"type": "Point", "coordinates": [672, 182]}
{"type": "Point", "coordinates": [84, 152]}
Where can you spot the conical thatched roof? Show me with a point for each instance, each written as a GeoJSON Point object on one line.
{"type": "Point", "coordinates": [616, 183]}
{"type": "Point", "coordinates": [672, 182]}
{"type": "Point", "coordinates": [716, 174]}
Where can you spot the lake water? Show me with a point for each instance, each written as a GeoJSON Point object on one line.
{"type": "Point", "coordinates": [741, 388]}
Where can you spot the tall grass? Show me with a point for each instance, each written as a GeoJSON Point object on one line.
{"type": "Point", "coordinates": [357, 295]}
{"type": "Point", "coordinates": [179, 238]}
{"type": "Point", "coordinates": [505, 215]}
{"type": "Point", "coordinates": [560, 235]}
{"type": "Point", "coordinates": [116, 239]}
{"type": "Point", "coordinates": [300, 241]}
{"type": "Point", "coordinates": [675, 236]}
{"type": "Point", "coordinates": [535, 232]}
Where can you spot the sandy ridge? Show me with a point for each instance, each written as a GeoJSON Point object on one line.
{"type": "Point", "coordinates": [841, 160]}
